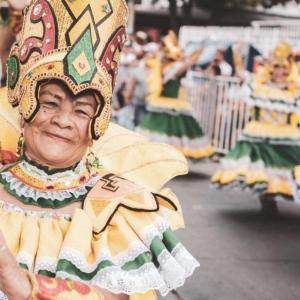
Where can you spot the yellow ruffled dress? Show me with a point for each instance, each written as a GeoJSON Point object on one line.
{"type": "Point", "coordinates": [169, 117]}
{"type": "Point", "coordinates": [265, 157]}
{"type": "Point", "coordinates": [122, 239]}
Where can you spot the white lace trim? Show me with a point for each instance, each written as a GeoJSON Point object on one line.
{"type": "Point", "coordinates": [274, 106]}
{"type": "Point", "coordinates": [4, 206]}
{"type": "Point", "coordinates": [23, 190]}
{"type": "Point", "coordinates": [271, 140]}
{"type": "Point", "coordinates": [169, 110]}
{"type": "Point", "coordinates": [118, 281]}
{"type": "Point", "coordinates": [67, 175]}
{"type": "Point", "coordinates": [25, 259]}
{"type": "Point", "coordinates": [174, 268]}
{"type": "Point", "coordinates": [135, 249]}
{"type": "Point", "coordinates": [131, 253]}
{"type": "Point", "coordinates": [231, 164]}
{"type": "Point", "coordinates": [45, 263]}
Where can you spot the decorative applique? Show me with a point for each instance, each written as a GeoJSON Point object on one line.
{"type": "Point", "coordinates": [110, 182]}
{"type": "Point", "coordinates": [80, 61]}
{"type": "Point", "coordinates": [41, 12]}
{"type": "Point", "coordinates": [13, 71]}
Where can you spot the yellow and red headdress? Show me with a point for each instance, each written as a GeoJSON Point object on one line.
{"type": "Point", "coordinates": [282, 55]}
{"type": "Point", "coordinates": [171, 47]}
{"type": "Point", "coordinates": [76, 41]}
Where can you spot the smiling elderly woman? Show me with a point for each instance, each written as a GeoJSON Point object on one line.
{"type": "Point", "coordinates": [69, 228]}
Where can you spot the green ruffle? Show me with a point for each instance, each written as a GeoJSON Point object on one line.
{"type": "Point", "coordinates": [169, 242]}
{"type": "Point", "coordinates": [171, 88]}
{"type": "Point", "coordinates": [172, 125]}
{"type": "Point", "coordinates": [273, 156]}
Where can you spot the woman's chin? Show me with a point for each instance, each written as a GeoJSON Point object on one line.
{"type": "Point", "coordinates": [58, 159]}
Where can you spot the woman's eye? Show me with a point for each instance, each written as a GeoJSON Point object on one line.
{"type": "Point", "coordinates": [49, 104]}
{"type": "Point", "coordinates": [82, 113]}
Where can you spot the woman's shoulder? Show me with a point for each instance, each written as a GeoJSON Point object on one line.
{"type": "Point", "coordinates": [127, 242]}
{"type": "Point", "coordinates": [114, 194]}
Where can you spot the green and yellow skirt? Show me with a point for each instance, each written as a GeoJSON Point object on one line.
{"type": "Point", "coordinates": [177, 128]}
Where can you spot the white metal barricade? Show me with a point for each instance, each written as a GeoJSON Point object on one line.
{"type": "Point", "coordinates": [220, 108]}
{"type": "Point", "coordinates": [264, 38]}
{"type": "Point", "coordinates": [266, 34]}
{"type": "Point", "coordinates": [218, 33]}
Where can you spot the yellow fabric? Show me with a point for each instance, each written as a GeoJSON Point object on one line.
{"type": "Point", "coordinates": [198, 153]}
{"type": "Point", "coordinates": [101, 204]}
{"type": "Point", "coordinates": [117, 226]}
{"type": "Point", "coordinates": [262, 90]}
{"type": "Point", "coordinates": [262, 129]}
{"type": "Point", "coordinates": [155, 87]}
{"type": "Point", "coordinates": [297, 173]}
{"type": "Point", "coordinates": [132, 156]}
{"type": "Point", "coordinates": [295, 119]}
{"type": "Point", "coordinates": [171, 103]}
{"type": "Point", "coordinates": [171, 47]}
{"type": "Point", "coordinates": [151, 295]}
{"type": "Point", "coordinates": [99, 226]}
{"type": "Point", "coordinates": [154, 77]}
{"type": "Point", "coordinates": [10, 128]}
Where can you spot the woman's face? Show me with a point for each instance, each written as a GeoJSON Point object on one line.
{"type": "Point", "coordinates": [58, 136]}
{"type": "Point", "coordinates": [279, 74]}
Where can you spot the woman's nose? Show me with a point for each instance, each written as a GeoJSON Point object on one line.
{"type": "Point", "coordinates": [64, 117]}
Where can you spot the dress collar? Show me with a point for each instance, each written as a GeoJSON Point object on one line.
{"type": "Point", "coordinates": [37, 185]}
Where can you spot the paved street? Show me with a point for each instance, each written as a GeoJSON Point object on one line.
{"type": "Point", "coordinates": [243, 254]}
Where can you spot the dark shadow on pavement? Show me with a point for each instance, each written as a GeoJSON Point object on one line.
{"type": "Point", "coordinates": [257, 217]}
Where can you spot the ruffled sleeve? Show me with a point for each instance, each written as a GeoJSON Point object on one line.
{"type": "Point", "coordinates": [126, 241]}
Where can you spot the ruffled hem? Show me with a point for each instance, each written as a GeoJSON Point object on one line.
{"type": "Point", "coordinates": [171, 109]}
{"type": "Point", "coordinates": [126, 244]}
{"type": "Point", "coordinates": [274, 104]}
{"type": "Point", "coordinates": [255, 176]}
{"type": "Point", "coordinates": [273, 98]}
{"type": "Point", "coordinates": [277, 133]}
{"type": "Point", "coordinates": [270, 140]}
{"type": "Point", "coordinates": [258, 189]}
{"type": "Point", "coordinates": [133, 272]}
{"type": "Point", "coordinates": [174, 268]}
{"type": "Point", "coordinates": [197, 148]}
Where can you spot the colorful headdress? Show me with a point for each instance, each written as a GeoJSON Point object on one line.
{"type": "Point", "coordinates": [78, 42]}
{"type": "Point", "coordinates": [171, 46]}
{"type": "Point", "coordinates": [281, 55]}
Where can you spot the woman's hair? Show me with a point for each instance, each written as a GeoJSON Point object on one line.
{"type": "Point", "coordinates": [120, 95]}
